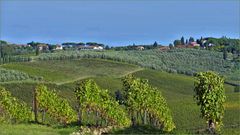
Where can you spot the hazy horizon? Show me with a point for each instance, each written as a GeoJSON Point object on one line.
{"type": "Point", "coordinates": [117, 22]}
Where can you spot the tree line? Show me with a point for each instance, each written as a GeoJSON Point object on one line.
{"type": "Point", "coordinates": [210, 43]}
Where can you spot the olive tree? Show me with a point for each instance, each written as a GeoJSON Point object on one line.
{"type": "Point", "coordinates": [210, 96]}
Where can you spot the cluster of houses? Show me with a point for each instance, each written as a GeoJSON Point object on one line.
{"type": "Point", "coordinates": [189, 45]}
{"type": "Point", "coordinates": [83, 47]}
{"type": "Point", "coordinates": [165, 48]}
{"type": "Point", "coordinates": [44, 47]}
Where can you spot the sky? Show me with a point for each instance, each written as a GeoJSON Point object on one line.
{"type": "Point", "coordinates": [117, 22]}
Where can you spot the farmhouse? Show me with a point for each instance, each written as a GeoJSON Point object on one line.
{"type": "Point", "coordinates": [42, 47]}
{"type": "Point", "coordinates": [194, 44]}
{"type": "Point", "coordinates": [140, 48]}
{"type": "Point", "coordinates": [59, 47]}
{"type": "Point", "coordinates": [164, 48]}
{"type": "Point", "coordinates": [97, 47]}
{"type": "Point", "coordinates": [181, 46]}
{"type": "Point", "coordinates": [82, 47]}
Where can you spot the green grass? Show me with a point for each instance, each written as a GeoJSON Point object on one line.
{"type": "Point", "coordinates": [71, 70]}
{"type": "Point", "coordinates": [177, 89]}
{"type": "Point", "coordinates": [32, 129]}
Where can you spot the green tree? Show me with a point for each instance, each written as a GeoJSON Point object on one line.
{"type": "Point", "coordinates": [225, 54]}
{"type": "Point", "coordinates": [80, 43]}
{"type": "Point", "coordinates": [3, 42]}
{"type": "Point", "coordinates": [37, 51]}
{"type": "Point", "coordinates": [171, 46]}
{"type": "Point", "coordinates": [7, 50]}
{"type": "Point", "coordinates": [1, 51]}
{"type": "Point", "coordinates": [91, 43]}
{"type": "Point", "coordinates": [186, 41]}
{"type": "Point", "coordinates": [182, 40]}
{"type": "Point", "coordinates": [52, 47]}
{"type": "Point", "coordinates": [177, 42]}
{"type": "Point", "coordinates": [191, 39]}
{"type": "Point", "coordinates": [107, 47]}
{"type": "Point", "coordinates": [210, 96]}
{"type": "Point", "coordinates": [33, 44]}
{"type": "Point", "coordinates": [155, 44]}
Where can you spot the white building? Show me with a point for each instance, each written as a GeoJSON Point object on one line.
{"type": "Point", "coordinates": [97, 47]}
{"type": "Point", "coordinates": [59, 47]}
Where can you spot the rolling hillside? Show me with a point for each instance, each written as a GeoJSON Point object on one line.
{"type": "Point", "coordinates": [177, 89]}
{"type": "Point", "coordinates": [63, 71]}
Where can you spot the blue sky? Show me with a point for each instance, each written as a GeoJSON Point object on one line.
{"type": "Point", "coordinates": [117, 22]}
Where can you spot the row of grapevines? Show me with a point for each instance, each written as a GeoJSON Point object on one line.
{"type": "Point", "coordinates": [171, 61]}
{"type": "Point", "coordinates": [91, 97]}
{"type": "Point", "coordinates": [12, 75]}
{"type": "Point", "coordinates": [54, 105]}
{"type": "Point", "coordinates": [8, 59]}
{"type": "Point", "coordinates": [148, 102]}
{"type": "Point", "coordinates": [13, 109]}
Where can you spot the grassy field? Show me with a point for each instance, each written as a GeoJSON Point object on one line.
{"type": "Point", "coordinates": [70, 70]}
{"type": "Point", "coordinates": [33, 129]}
{"type": "Point", "coordinates": [177, 89]}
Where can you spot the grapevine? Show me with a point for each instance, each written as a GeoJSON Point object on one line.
{"type": "Point", "coordinates": [14, 109]}
{"type": "Point", "coordinates": [145, 101]}
{"type": "Point", "coordinates": [91, 97]}
{"type": "Point", "coordinates": [56, 106]}
{"type": "Point", "coordinates": [210, 96]}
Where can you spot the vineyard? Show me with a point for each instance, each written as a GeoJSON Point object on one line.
{"type": "Point", "coordinates": [119, 67]}
{"type": "Point", "coordinates": [9, 59]}
{"type": "Point", "coordinates": [160, 105]}
{"type": "Point", "coordinates": [13, 75]}
{"type": "Point", "coordinates": [92, 101]}
{"type": "Point", "coordinates": [183, 61]}
{"type": "Point", "coordinates": [179, 100]}
{"type": "Point", "coordinates": [57, 71]}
